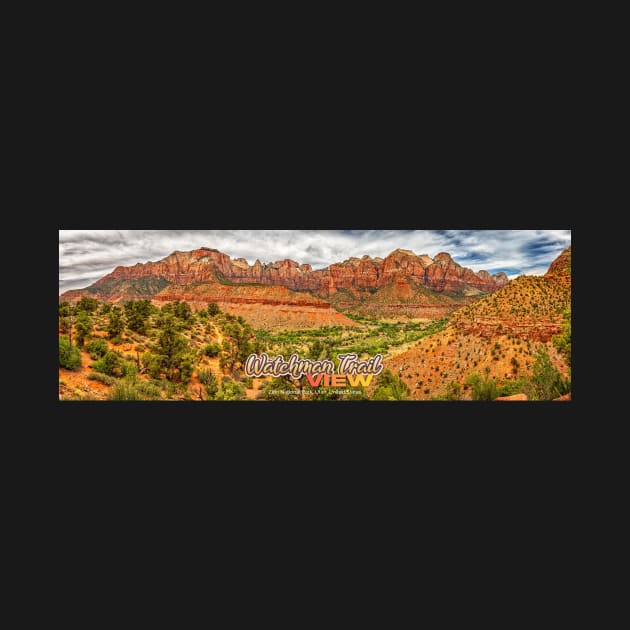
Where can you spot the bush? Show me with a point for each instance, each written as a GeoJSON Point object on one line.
{"type": "Point", "coordinates": [482, 389]}
{"type": "Point", "coordinates": [108, 364]}
{"type": "Point", "coordinates": [390, 387]}
{"type": "Point", "coordinates": [148, 390]}
{"type": "Point", "coordinates": [125, 391]}
{"type": "Point", "coordinates": [83, 327]}
{"type": "Point", "coordinates": [69, 356]}
{"type": "Point", "coordinates": [186, 370]}
{"type": "Point", "coordinates": [453, 391]}
{"type": "Point", "coordinates": [97, 348]}
{"type": "Point", "coordinates": [248, 382]}
{"type": "Point", "coordinates": [151, 364]}
{"type": "Point", "coordinates": [546, 382]}
{"type": "Point", "coordinates": [206, 377]}
{"type": "Point", "coordinates": [212, 350]}
{"type": "Point", "coordinates": [102, 378]}
{"type": "Point", "coordinates": [129, 370]}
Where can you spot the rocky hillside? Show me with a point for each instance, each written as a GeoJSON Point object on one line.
{"type": "Point", "coordinates": [501, 332]}
{"type": "Point", "coordinates": [358, 275]}
{"type": "Point", "coordinates": [529, 307]}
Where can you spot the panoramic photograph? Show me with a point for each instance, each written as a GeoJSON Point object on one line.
{"type": "Point", "coordinates": [315, 315]}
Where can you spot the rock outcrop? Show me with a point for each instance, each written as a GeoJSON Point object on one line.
{"type": "Point", "coordinates": [441, 274]}
{"type": "Point", "coordinates": [529, 307]}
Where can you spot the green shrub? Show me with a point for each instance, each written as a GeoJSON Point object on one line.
{"type": "Point", "coordinates": [390, 387]}
{"type": "Point", "coordinates": [149, 391]}
{"type": "Point", "coordinates": [453, 391]}
{"type": "Point", "coordinates": [97, 348]}
{"type": "Point", "coordinates": [206, 377]}
{"type": "Point", "coordinates": [212, 350]}
{"type": "Point", "coordinates": [102, 378]}
{"type": "Point", "coordinates": [108, 364]}
{"type": "Point", "coordinates": [69, 356]}
{"type": "Point", "coordinates": [482, 389]}
{"type": "Point", "coordinates": [124, 391]}
{"type": "Point", "coordinates": [546, 382]}
{"type": "Point", "coordinates": [129, 370]}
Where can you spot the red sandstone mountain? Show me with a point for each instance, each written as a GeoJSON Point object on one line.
{"type": "Point", "coordinates": [441, 274]}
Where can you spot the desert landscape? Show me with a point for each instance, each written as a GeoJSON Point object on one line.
{"type": "Point", "coordinates": [182, 327]}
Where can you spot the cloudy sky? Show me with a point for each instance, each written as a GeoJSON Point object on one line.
{"type": "Point", "coordinates": [87, 255]}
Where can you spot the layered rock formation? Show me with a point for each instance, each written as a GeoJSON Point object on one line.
{"type": "Point", "coordinates": [441, 274]}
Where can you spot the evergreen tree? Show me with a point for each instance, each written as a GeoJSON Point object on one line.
{"type": "Point", "coordinates": [87, 304]}
{"type": "Point", "coordinates": [83, 327]}
{"type": "Point", "coordinates": [116, 324]}
{"type": "Point", "coordinates": [213, 309]}
{"type": "Point", "coordinates": [171, 348]}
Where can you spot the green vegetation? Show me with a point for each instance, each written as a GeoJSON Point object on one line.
{"type": "Point", "coordinates": [102, 378]}
{"type": "Point", "coordinates": [152, 354]}
{"type": "Point", "coordinates": [562, 341]}
{"type": "Point", "coordinates": [374, 337]}
{"type": "Point", "coordinates": [69, 356]}
{"type": "Point", "coordinates": [212, 350]}
{"type": "Point", "coordinates": [87, 304]}
{"type": "Point", "coordinates": [546, 382]}
{"type": "Point", "coordinates": [125, 391]}
{"type": "Point", "coordinates": [390, 387]}
{"type": "Point", "coordinates": [137, 313]}
{"type": "Point", "coordinates": [109, 364]}
{"type": "Point", "coordinates": [82, 328]}
{"type": "Point", "coordinates": [482, 389]}
{"type": "Point", "coordinates": [213, 309]}
{"type": "Point", "coordinates": [97, 348]}
{"type": "Point", "coordinates": [116, 323]}
{"type": "Point", "coordinates": [171, 350]}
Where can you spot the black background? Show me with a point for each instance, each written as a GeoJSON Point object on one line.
{"type": "Point", "coordinates": [462, 178]}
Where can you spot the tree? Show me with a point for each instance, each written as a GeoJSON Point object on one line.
{"type": "Point", "coordinates": [212, 350]}
{"type": "Point", "coordinates": [171, 348]}
{"type": "Point", "coordinates": [87, 304]}
{"type": "Point", "coordinates": [211, 384]}
{"type": "Point", "coordinates": [64, 325]}
{"type": "Point", "coordinates": [137, 313]}
{"type": "Point", "coordinates": [116, 324]}
{"type": "Point", "coordinates": [183, 311]}
{"type": "Point", "coordinates": [213, 309]}
{"type": "Point", "coordinates": [83, 327]}
{"type": "Point", "coordinates": [64, 309]}
{"type": "Point", "coordinates": [108, 364]}
{"type": "Point", "coordinates": [239, 346]}
{"type": "Point", "coordinates": [69, 356]}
